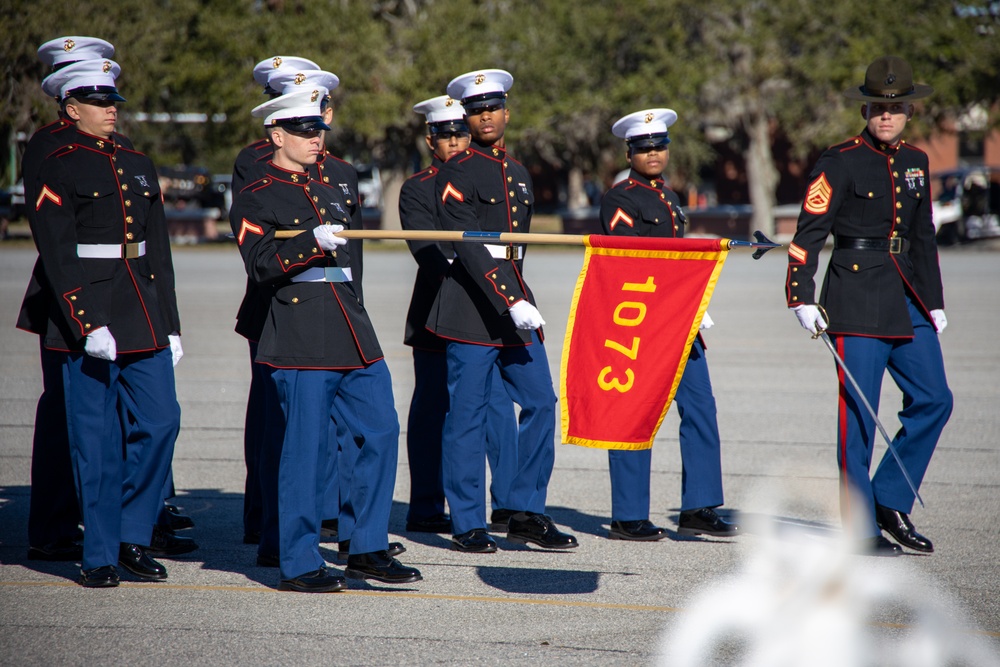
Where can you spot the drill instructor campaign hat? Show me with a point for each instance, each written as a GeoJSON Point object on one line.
{"type": "Point", "coordinates": [889, 78]}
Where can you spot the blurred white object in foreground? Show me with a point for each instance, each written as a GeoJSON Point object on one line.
{"type": "Point", "coordinates": [804, 599]}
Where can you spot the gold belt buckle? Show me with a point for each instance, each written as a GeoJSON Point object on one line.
{"type": "Point", "coordinates": [895, 245]}
{"type": "Point", "coordinates": [130, 250]}
{"type": "Point", "coordinates": [513, 252]}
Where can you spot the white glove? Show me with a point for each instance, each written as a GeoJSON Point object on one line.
{"type": "Point", "coordinates": [525, 316]}
{"type": "Point", "coordinates": [176, 352]}
{"type": "Point", "coordinates": [810, 318]}
{"type": "Point", "coordinates": [101, 344]}
{"type": "Point", "coordinates": [706, 322]}
{"type": "Point", "coordinates": [940, 321]}
{"type": "Point", "coordinates": [326, 236]}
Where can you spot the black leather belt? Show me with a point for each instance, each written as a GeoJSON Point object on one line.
{"type": "Point", "coordinates": [893, 246]}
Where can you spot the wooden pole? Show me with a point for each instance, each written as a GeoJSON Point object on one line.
{"type": "Point", "coordinates": [435, 235]}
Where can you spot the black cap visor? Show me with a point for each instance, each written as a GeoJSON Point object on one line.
{"type": "Point", "coordinates": [96, 94]}
{"type": "Point", "coordinates": [649, 140]}
{"type": "Point", "coordinates": [448, 127]}
{"type": "Point", "coordinates": [484, 101]}
{"type": "Point", "coordinates": [302, 124]}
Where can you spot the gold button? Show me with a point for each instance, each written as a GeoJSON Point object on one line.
{"type": "Point", "coordinates": [145, 193]}
{"type": "Point", "coordinates": [510, 298]}
{"type": "Point", "coordinates": [795, 298]}
{"type": "Point", "coordinates": [72, 298]}
{"type": "Point", "coordinates": [855, 267]}
{"type": "Point", "coordinates": [334, 253]}
{"type": "Point", "coordinates": [892, 160]}
{"type": "Point", "coordinates": [504, 164]}
{"type": "Point", "coordinates": [295, 221]}
{"type": "Point", "coordinates": [128, 219]}
{"type": "Point", "coordinates": [87, 325]}
{"type": "Point", "coordinates": [307, 188]}
{"type": "Point", "coordinates": [152, 276]}
{"type": "Point", "coordinates": [511, 193]}
{"type": "Point", "coordinates": [795, 284]}
{"type": "Point", "coordinates": [129, 236]}
{"type": "Point", "coordinates": [794, 269]}
{"type": "Point", "coordinates": [128, 202]}
{"type": "Point", "coordinates": [895, 174]}
{"type": "Point", "coordinates": [301, 255]}
{"type": "Point", "coordinates": [295, 299]}
{"type": "Point", "coordinates": [899, 204]}
{"type": "Point", "coordinates": [79, 312]}
{"type": "Point", "coordinates": [871, 194]}
{"type": "Point", "coordinates": [898, 219]}
{"type": "Point", "coordinates": [492, 200]}
{"type": "Point", "coordinates": [315, 251]}
{"type": "Point", "coordinates": [326, 179]}
{"type": "Point", "coordinates": [95, 194]}
{"type": "Point", "coordinates": [857, 141]}
{"type": "Point", "coordinates": [513, 209]}
{"type": "Point", "coordinates": [663, 196]}
{"type": "Point", "coordinates": [515, 223]}
{"type": "Point", "coordinates": [918, 195]}
{"type": "Point", "coordinates": [894, 233]}
{"type": "Point", "coordinates": [493, 275]}
{"type": "Point", "coordinates": [899, 189]}
{"type": "Point", "coordinates": [100, 144]}
{"type": "Point", "coordinates": [322, 210]}
{"type": "Point", "coordinates": [315, 198]}
{"type": "Point", "coordinates": [124, 186]}
{"type": "Point", "coordinates": [286, 261]}
{"type": "Point", "coordinates": [348, 202]}
{"type": "Point", "coordinates": [265, 180]}
{"type": "Point", "coordinates": [510, 178]}
{"type": "Point", "coordinates": [503, 287]}
{"type": "Point", "coordinates": [496, 152]}
{"type": "Point", "coordinates": [120, 172]}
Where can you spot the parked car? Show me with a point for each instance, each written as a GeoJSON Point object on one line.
{"type": "Point", "coordinates": [966, 204]}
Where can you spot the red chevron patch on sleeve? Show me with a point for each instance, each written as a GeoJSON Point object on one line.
{"type": "Point", "coordinates": [248, 226]}
{"type": "Point", "coordinates": [818, 197]}
{"type": "Point", "coordinates": [620, 216]}
{"type": "Point", "coordinates": [47, 194]}
{"type": "Point", "coordinates": [451, 191]}
{"type": "Point", "coordinates": [797, 253]}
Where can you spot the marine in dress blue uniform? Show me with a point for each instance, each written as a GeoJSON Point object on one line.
{"type": "Point", "coordinates": [447, 134]}
{"type": "Point", "coordinates": [642, 205]}
{"type": "Point", "coordinates": [883, 295]}
{"type": "Point", "coordinates": [486, 312]}
{"type": "Point", "coordinates": [323, 352]}
{"type": "Point", "coordinates": [111, 308]}
{"type": "Point", "coordinates": [53, 513]}
{"type": "Point", "coordinates": [284, 75]}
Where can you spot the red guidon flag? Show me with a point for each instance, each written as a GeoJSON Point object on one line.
{"type": "Point", "coordinates": [636, 310]}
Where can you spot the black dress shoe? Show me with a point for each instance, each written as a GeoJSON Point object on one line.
{"type": "Point", "coordinates": [705, 521]}
{"type": "Point", "coordinates": [57, 551]}
{"type": "Point", "coordinates": [525, 527]}
{"type": "Point", "coordinates": [344, 549]}
{"type": "Point", "coordinates": [475, 541]}
{"type": "Point", "coordinates": [439, 523]}
{"type": "Point", "coordinates": [252, 537]}
{"type": "Point", "coordinates": [268, 560]}
{"type": "Point", "coordinates": [380, 566]}
{"type": "Point", "coordinates": [877, 546]}
{"type": "Point", "coordinates": [319, 581]}
{"type": "Point", "coordinates": [499, 519]}
{"type": "Point", "coordinates": [899, 526]}
{"type": "Point", "coordinates": [134, 558]}
{"type": "Point", "coordinates": [329, 530]}
{"type": "Point", "coordinates": [638, 531]}
{"type": "Point", "coordinates": [99, 577]}
{"type": "Point", "coordinates": [165, 544]}
{"type": "Point", "coordinates": [174, 520]}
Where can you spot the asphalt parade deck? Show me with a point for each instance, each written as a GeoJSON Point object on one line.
{"type": "Point", "coordinates": [606, 602]}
